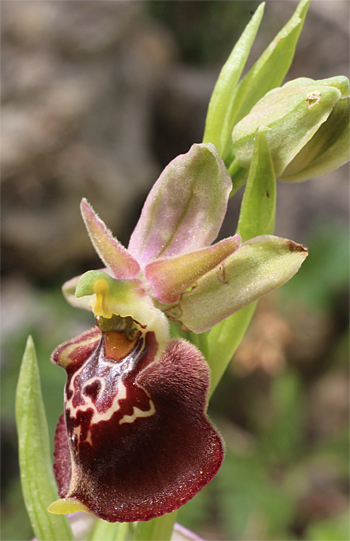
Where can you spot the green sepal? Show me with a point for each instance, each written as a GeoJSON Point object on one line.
{"type": "Point", "coordinates": [258, 208]}
{"type": "Point", "coordinates": [290, 116]}
{"type": "Point", "coordinates": [185, 208]}
{"type": "Point", "coordinates": [218, 125]}
{"type": "Point", "coordinates": [328, 149]}
{"type": "Point", "coordinates": [38, 483]}
{"type": "Point", "coordinates": [259, 266]}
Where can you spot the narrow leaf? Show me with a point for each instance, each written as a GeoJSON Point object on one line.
{"type": "Point", "coordinates": [218, 124]}
{"type": "Point", "coordinates": [38, 484]}
{"type": "Point", "coordinates": [258, 209]}
{"type": "Point", "coordinates": [269, 70]}
{"type": "Point", "coordinates": [257, 217]}
{"type": "Point", "coordinates": [238, 175]}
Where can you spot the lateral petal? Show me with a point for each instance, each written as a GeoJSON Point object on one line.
{"type": "Point", "coordinates": [171, 276]}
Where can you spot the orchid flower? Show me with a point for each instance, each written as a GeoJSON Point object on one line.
{"type": "Point", "coordinates": [135, 441]}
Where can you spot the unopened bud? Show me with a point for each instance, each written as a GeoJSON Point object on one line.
{"type": "Point", "coordinates": [306, 126]}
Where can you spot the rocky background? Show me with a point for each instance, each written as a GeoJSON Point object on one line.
{"type": "Point", "coordinates": [98, 96]}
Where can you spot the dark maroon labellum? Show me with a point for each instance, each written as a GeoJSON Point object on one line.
{"type": "Point", "coordinates": [135, 442]}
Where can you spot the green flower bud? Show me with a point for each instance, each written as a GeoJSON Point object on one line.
{"type": "Point", "coordinates": [306, 126]}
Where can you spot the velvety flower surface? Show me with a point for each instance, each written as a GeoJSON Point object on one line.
{"type": "Point", "coordinates": [135, 442]}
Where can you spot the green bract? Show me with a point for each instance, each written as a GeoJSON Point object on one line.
{"type": "Point", "coordinates": [233, 99]}
{"type": "Point", "coordinates": [303, 120]}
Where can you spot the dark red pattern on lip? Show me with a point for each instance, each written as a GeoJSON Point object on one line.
{"type": "Point", "coordinates": [62, 467]}
{"type": "Point", "coordinates": [82, 350]}
{"type": "Point", "coordinates": [142, 469]}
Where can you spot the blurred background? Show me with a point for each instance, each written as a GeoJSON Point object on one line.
{"type": "Point", "coordinates": [98, 96]}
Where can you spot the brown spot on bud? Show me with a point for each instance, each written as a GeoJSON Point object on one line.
{"type": "Point", "coordinates": [295, 247]}
{"type": "Point", "coordinates": [221, 273]}
{"type": "Point", "coordinates": [313, 98]}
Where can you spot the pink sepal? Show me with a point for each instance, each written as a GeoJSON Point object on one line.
{"type": "Point", "coordinates": [185, 208]}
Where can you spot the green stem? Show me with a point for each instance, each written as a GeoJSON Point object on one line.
{"type": "Point", "coordinates": [112, 531]}
{"type": "Point", "coordinates": [158, 529]}
{"type": "Point", "coordinates": [238, 176]}
{"type": "Point", "coordinates": [201, 341]}
{"type": "Point", "coordinates": [224, 340]}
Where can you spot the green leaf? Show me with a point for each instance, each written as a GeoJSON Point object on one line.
{"type": "Point", "coordinates": [158, 529]}
{"type": "Point", "coordinates": [269, 70]}
{"type": "Point", "coordinates": [118, 531]}
{"type": "Point", "coordinates": [201, 341]}
{"type": "Point", "coordinates": [258, 209]}
{"type": "Point", "coordinates": [38, 483]}
{"type": "Point", "coordinates": [218, 124]}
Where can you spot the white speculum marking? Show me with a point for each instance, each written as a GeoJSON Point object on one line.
{"type": "Point", "coordinates": [136, 413]}
{"type": "Point", "coordinates": [120, 394]}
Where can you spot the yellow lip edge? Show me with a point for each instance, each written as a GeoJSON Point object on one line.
{"type": "Point", "coordinates": [65, 506]}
